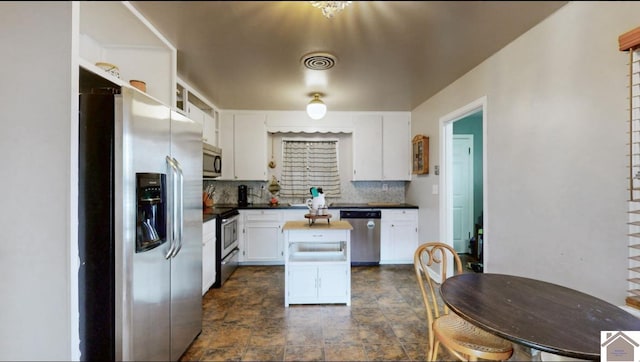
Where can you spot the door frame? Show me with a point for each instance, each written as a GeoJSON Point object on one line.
{"type": "Point", "coordinates": [446, 183]}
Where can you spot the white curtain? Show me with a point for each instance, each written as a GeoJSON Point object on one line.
{"type": "Point", "coordinates": [307, 164]}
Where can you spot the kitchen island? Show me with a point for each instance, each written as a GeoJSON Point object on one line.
{"type": "Point", "coordinates": [317, 262]}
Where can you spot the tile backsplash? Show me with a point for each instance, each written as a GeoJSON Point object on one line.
{"type": "Point", "coordinates": [226, 192]}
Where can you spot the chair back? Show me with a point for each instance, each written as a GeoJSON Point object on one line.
{"type": "Point", "coordinates": [433, 263]}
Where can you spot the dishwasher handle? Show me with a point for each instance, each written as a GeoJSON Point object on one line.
{"type": "Point", "coordinates": [360, 214]}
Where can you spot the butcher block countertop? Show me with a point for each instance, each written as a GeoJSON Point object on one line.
{"type": "Point", "coordinates": [319, 225]}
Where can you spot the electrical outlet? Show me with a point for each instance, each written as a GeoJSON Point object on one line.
{"type": "Point", "coordinates": [385, 187]}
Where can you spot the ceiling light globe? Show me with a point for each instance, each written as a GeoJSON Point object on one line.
{"type": "Point", "coordinates": [316, 109]}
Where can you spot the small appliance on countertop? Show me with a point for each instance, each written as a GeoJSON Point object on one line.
{"type": "Point", "coordinates": [242, 195]}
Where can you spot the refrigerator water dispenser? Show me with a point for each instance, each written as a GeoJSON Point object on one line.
{"type": "Point", "coordinates": [151, 220]}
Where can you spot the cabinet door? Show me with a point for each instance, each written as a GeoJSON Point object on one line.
{"type": "Point", "coordinates": [195, 113]}
{"type": "Point", "coordinates": [367, 147]}
{"type": "Point", "coordinates": [226, 143]}
{"type": "Point", "coordinates": [404, 241]}
{"type": "Point", "coordinates": [398, 236]}
{"type": "Point", "coordinates": [263, 242]}
{"type": "Point", "coordinates": [208, 255]}
{"type": "Point", "coordinates": [386, 246]}
{"type": "Point", "coordinates": [396, 147]}
{"type": "Point", "coordinates": [208, 264]}
{"type": "Point", "coordinates": [333, 283]}
{"type": "Point", "coordinates": [303, 283]}
{"type": "Point", "coordinates": [208, 127]}
{"type": "Point", "coordinates": [250, 147]}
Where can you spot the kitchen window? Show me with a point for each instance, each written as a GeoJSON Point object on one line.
{"type": "Point", "coordinates": [309, 163]}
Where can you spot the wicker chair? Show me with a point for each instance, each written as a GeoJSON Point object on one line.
{"type": "Point", "coordinates": [464, 340]}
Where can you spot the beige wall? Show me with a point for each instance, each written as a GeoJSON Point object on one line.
{"type": "Point", "coordinates": [555, 149]}
{"type": "Point", "coordinates": [38, 165]}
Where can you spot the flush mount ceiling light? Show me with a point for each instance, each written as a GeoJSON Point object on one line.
{"type": "Point", "coordinates": [316, 109]}
{"type": "Point", "coordinates": [330, 8]}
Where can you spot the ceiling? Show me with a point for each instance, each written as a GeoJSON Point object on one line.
{"type": "Point", "coordinates": [391, 55]}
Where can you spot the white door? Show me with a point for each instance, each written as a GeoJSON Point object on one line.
{"type": "Point", "coordinates": [462, 192]}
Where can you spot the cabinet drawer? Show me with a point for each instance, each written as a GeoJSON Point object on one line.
{"type": "Point", "coordinates": [263, 215]}
{"type": "Point", "coordinates": [319, 235]}
{"type": "Point", "coordinates": [400, 215]}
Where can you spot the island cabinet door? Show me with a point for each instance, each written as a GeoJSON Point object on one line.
{"type": "Point", "coordinates": [303, 283]}
{"type": "Point", "coordinates": [333, 283]}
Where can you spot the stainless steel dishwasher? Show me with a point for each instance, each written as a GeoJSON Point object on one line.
{"type": "Point", "coordinates": [365, 236]}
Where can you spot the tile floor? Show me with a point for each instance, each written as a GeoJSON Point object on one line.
{"type": "Point", "coordinates": [246, 320]}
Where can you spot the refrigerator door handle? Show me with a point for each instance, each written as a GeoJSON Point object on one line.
{"type": "Point", "coordinates": [179, 206]}
{"type": "Point", "coordinates": [171, 206]}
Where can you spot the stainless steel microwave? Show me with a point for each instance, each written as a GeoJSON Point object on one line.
{"type": "Point", "coordinates": [211, 161]}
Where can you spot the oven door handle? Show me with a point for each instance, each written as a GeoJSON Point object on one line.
{"type": "Point", "coordinates": [230, 256]}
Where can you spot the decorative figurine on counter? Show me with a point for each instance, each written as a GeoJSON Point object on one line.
{"type": "Point", "coordinates": [317, 202]}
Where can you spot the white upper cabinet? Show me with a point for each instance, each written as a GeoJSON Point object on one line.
{"type": "Point", "coordinates": [382, 147]}
{"type": "Point", "coordinates": [367, 147]}
{"type": "Point", "coordinates": [195, 114]}
{"type": "Point", "coordinates": [199, 109]}
{"type": "Point", "coordinates": [210, 128]}
{"type": "Point", "coordinates": [115, 32]}
{"type": "Point", "coordinates": [396, 147]}
{"type": "Point", "coordinates": [228, 149]}
{"type": "Point", "coordinates": [250, 147]}
{"type": "Point", "coordinates": [243, 139]}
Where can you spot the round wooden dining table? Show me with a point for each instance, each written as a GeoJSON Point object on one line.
{"type": "Point", "coordinates": [541, 315]}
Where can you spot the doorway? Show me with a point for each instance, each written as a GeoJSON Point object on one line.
{"type": "Point", "coordinates": [462, 197]}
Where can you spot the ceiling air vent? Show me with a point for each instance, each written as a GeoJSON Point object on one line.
{"type": "Point", "coordinates": [319, 61]}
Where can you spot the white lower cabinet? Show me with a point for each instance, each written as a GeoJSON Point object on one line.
{"type": "Point", "coordinates": [261, 239]}
{"type": "Point", "coordinates": [317, 262]}
{"type": "Point", "coordinates": [208, 255]}
{"type": "Point", "coordinates": [317, 283]}
{"type": "Point", "coordinates": [398, 236]}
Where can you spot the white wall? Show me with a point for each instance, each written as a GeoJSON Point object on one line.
{"type": "Point", "coordinates": [35, 216]}
{"type": "Point", "coordinates": [556, 150]}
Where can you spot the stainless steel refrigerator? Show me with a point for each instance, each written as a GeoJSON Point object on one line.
{"type": "Point", "coordinates": [140, 227]}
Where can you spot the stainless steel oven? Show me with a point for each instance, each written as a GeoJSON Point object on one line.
{"type": "Point", "coordinates": [228, 248]}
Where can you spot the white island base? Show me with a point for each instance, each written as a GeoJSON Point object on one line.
{"type": "Point", "coordinates": [317, 262]}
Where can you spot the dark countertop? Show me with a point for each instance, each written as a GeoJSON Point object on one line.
{"type": "Point", "coordinates": [211, 213]}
